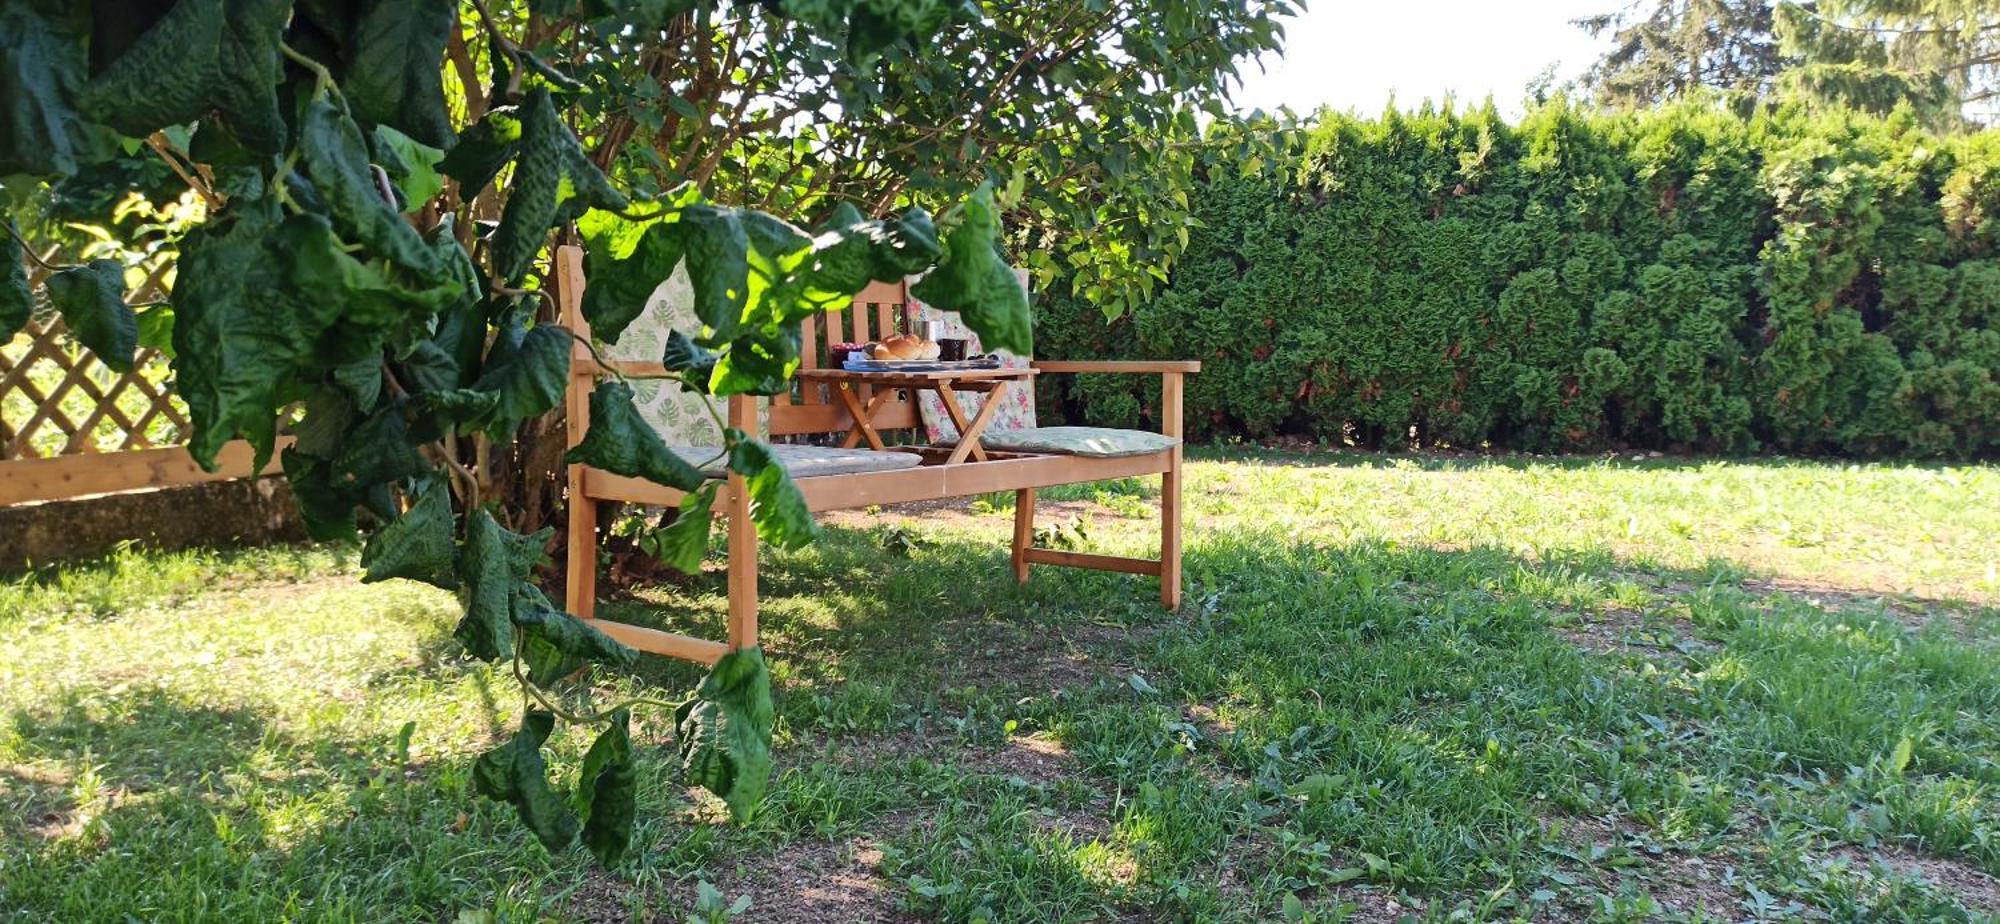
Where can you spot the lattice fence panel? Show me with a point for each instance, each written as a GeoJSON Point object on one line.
{"type": "Point", "coordinates": [56, 399]}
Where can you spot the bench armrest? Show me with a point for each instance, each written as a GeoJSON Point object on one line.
{"type": "Point", "coordinates": [1187, 366]}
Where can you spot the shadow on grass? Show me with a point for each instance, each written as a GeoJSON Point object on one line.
{"type": "Point", "coordinates": [1447, 701]}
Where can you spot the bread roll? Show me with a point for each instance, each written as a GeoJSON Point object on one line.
{"type": "Point", "coordinates": [903, 347]}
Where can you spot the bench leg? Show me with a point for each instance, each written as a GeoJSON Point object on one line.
{"type": "Point", "coordinates": [742, 539]}
{"type": "Point", "coordinates": [1170, 495]}
{"type": "Point", "coordinates": [1024, 531]}
{"type": "Point", "coordinates": [580, 596]}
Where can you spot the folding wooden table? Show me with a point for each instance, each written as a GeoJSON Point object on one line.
{"type": "Point", "coordinates": [862, 393]}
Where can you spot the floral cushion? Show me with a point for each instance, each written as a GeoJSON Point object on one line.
{"type": "Point", "coordinates": [807, 461]}
{"type": "Point", "coordinates": [1090, 442]}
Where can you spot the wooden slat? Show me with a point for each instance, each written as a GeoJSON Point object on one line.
{"type": "Point", "coordinates": [859, 316]}
{"type": "Point", "coordinates": [1024, 531]}
{"type": "Point", "coordinates": [1093, 562]}
{"type": "Point", "coordinates": [580, 589]}
{"type": "Point", "coordinates": [59, 477]}
{"type": "Point", "coordinates": [1187, 367]}
{"type": "Point", "coordinates": [742, 539]}
{"type": "Point", "coordinates": [671, 644]}
{"type": "Point", "coordinates": [894, 414]}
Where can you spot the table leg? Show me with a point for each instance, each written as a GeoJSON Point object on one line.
{"type": "Point", "coordinates": [968, 434]}
{"type": "Point", "coordinates": [958, 422]}
{"type": "Point", "coordinates": [864, 418]}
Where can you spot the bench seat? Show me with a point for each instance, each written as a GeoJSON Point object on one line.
{"type": "Point", "coordinates": [1089, 442]}
{"type": "Point", "coordinates": [807, 461]}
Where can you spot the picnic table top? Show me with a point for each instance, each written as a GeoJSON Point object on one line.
{"type": "Point", "coordinates": [914, 379]}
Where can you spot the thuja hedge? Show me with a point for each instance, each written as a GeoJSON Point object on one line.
{"type": "Point", "coordinates": [1682, 279]}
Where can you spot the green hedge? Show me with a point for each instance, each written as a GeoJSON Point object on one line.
{"type": "Point", "coordinates": [1677, 279]}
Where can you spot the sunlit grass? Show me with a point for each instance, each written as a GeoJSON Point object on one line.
{"type": "Point", "coordinates": [1506, 688]}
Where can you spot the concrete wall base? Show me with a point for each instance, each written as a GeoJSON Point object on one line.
{"type": "Point", "coordinates": [223, 513]}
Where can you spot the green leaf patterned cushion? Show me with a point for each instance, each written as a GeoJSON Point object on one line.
{"type": "Point", "coordinates": [1090, 442]}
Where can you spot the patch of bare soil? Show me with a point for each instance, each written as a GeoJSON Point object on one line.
{"type": "Point", "coordinates": [1682, 883]}
{"type": "Point", "coordinates": [810, 881]}
{"type": "Point", "coordinates": [1973, 887]}
{"type": "Point", "coordinates": [1618, 630]}
{"type": "Point", "coordinates": [1914, 612]}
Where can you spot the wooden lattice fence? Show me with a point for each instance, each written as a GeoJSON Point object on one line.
{"type": "Point", "coordinates": [71, 425]}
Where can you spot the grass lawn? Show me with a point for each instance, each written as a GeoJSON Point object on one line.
{"type": "Point", "coordinates": [1453, 689]}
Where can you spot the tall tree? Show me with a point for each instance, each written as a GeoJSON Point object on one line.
{"type": "Point", "coordinates": [1665, 49]}
{"type": "Point", "coordinates": [1940, 56]}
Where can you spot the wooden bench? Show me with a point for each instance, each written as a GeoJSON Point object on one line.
{"type": "Point", "coordinates": [809, 410]}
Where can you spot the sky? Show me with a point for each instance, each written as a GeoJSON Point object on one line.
{"type": "Point", "coordinates": [1356, 54]}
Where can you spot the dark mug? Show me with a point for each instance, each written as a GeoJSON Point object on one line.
{"type": "Point", "coordinates": [951, 349]}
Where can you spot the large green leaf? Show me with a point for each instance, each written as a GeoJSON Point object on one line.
{"type": "Point", "coordinates": [336, 158]}
{"type": "Point", "coordinates": [684, 542]}
{"type": "Point", "coordinates": [551, 175]}
{"type": "Point", "coordinates": [491, 568]}
{"type": "Point", "coordinates": [624, 261]}
{"type": "Point", "coordinates": [417, 545]}
{"type": "Point", "coordinates": [724, 732]}
{"type": "Point", "coordinates": [242, 332]}
{"type": "Point", "coordinates": [249, 69]}
{"type": "Point", "coordinates": [515, 773]}
{"type": "Point", "coordinates": [607, 791]}
{"type": "Point", "coordinates": [395, 66]}
{"type": "Point", "coordinates": [681, 354]}
{"type": "Point", "coordinates": [621, 442]}
{"type": "Point", "coordinates": [760, 361]}
{"type": "Point", "coordinates": [412, 166]}
{"type": "Point", "coordinates": [17, 301]}
{"type": "Point", "coordinates": [44, 69]}
{"type": "Point", "coordinates": [326, 509]}
{"type": "Point", "coordinates": [718, 265]}
{"type": "Point", "coordinates": [166, 77]}
{"type": "Point", "coordinates": [977, 284]}
{"type": "Point", "coordinates": [482, 150]}
{"type": "Point", "coordinates": [849, 252]}
{"type": "Point", "coordinates": [554, 644]}
{"type": "Point", "coordinates": [527, 379]}
{"type": "Point", "coordinates": [379, 450]}
{"type": "Point", "coordinates": [91, 299]}
{"type": "Point", "coordinates": [776, 505]}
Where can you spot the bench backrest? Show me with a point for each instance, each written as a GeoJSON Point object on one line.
{"type": "Point", "coordinates": [878, 311]}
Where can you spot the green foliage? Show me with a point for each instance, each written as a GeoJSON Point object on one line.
{"type": "Point", "coordinates": [516, 773]}
{"type": "Point", "coordinates": [725, 731]}
{"type": "Point", "coordinates": [91, 300]}
{"type": "Point", "coordinates": [43, 70]}
{"type": "Point", "coordinates": [776, 505]}
{"type": "Point", "coordinates": [682, 543]}
{"type": "Point", "coordinates": [391, 75]}
{"type": "Point", "coordinates": [328, 278]}
{"type": "Point", "coordinates": [607, 793]}
{"type": "Point", "coordinates": [551, 175]}
{"type": "Point", "coordinates": [17, 301]}
{"type": "Point", "coordinates": [419, 544]}
{"type": "Point", "coordinates": [977, 284]}
{"type": "Point", "coordinates": [620, 441]}
{"type": "Point", "coordinates": [555, 644]}
{"type": "Point", "coordinates": [1684, 278]}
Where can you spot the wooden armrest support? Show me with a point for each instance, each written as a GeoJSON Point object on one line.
{"type": "Point", "coordinates": [1187, 366]}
